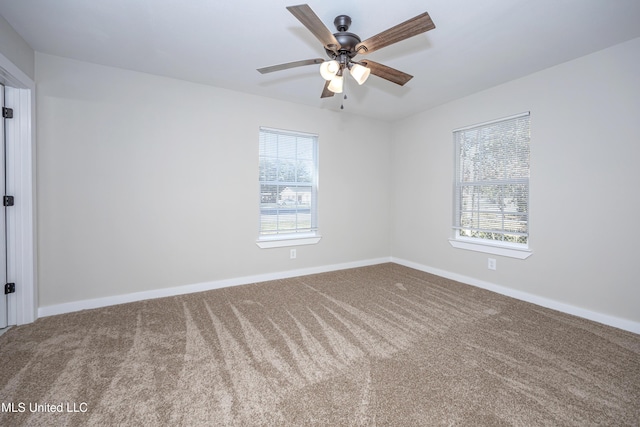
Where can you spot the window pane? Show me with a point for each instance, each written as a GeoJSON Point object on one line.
{"type": "Point", "coordinates": [287, 148]}
{"type": "Point", "coordinates": [305, 149]}
{"type": "Point", "coordinates": [286, 170]}
{"type": "Point", "coordinates": [268, 145]}
{"type": "Point", "coordinates": [268, 194]}
{"type": "Point", "coordinates": [268, 169]}
{"type": "Point", "coordinates": [304, 171]}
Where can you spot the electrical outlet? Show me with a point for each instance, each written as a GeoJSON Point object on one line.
{"type": "Point", "coordinates": [292, 254]}
{"type": "Point", "coordinates": [491, 265]}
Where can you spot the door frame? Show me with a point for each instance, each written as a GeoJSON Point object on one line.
{"type": "Point", "coordinates": [20, 174]}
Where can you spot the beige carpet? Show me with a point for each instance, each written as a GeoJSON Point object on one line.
{"type": "Point", "coordinates": [381, 345]}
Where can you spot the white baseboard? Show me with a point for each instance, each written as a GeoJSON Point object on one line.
{"type": "Point", "coordinates": [605, 319]}
{"type": "Point", "coordinates": [70, 307]}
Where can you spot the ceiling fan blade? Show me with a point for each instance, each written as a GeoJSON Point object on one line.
{"type": "Point", "coordinates": [387, 73]}
{"type": "Point", "coordinates": [326, 93]}
{"type": "Point", "coordinates": [405, 30]}
{"type": "Point", "coordinates": [288, 65]}
{"type": "Point", "coordinates": [310, 20]}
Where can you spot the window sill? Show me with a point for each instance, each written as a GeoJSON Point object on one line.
{"type": "Point", "coordinates": [511, 252]}
{"type": "Point", "coordinates": [283, 241]}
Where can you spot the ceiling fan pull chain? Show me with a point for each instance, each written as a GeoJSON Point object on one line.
{"type": "Point", "coordinates": [342, 103]}
{"type": "Point", "coordinates": [345, 93]}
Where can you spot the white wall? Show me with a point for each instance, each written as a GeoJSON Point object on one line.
{"type": "Point", "coordinates": [146, 182]}
{"type": "Point", "coordinates": [149, 183]}
{"type": "Point", "coordinates": [15, 49]}
{"type": "Point", "coordinates": [585, 209]}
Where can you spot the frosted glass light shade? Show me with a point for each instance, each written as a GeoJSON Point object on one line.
{"type": "Point", "coordinates": [328, 69]}
{"type": "Point", "coordinates": [336, 84]}
{"type": "Point", "coordinates": [360, 73]}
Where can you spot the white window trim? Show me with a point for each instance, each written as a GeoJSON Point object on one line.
{"type": "Point", "coordinates": [281, 241]}
{"type": "Point", "coordinates": [502, 249]}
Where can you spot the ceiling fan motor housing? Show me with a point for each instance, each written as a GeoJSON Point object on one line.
{"type": "Point", "coordinates": [348, 41]}
{"type": "Point", "coordinates": [342, 22]}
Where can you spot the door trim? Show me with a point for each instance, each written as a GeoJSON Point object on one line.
{"type": "Point", "coordinates": [20, 95]}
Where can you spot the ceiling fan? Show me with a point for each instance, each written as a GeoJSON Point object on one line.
{"type": "Point", "coordinates": [342, 47]}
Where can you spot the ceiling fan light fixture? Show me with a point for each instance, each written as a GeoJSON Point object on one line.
{"type": "Point", "coordinates": [360, 73]}
{"type": "Point", "coordinates": [329, 69]}
{"type": "Point", "coordinates": [336, 84]}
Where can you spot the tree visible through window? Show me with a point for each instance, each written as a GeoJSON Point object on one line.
{"type": "Point", "coordinates": [288, 183]}
{"type": "Point", "coordinates": [492, 181]}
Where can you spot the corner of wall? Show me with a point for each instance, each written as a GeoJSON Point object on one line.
{"type": "Point", "coordinates": [16, 49]}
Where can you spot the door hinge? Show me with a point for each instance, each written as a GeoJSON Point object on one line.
{"type": "Point", "coordinates": [9, 288]}
{"type": "Point", "coordinates": [7, 112]}
{"type": "Point", "coordinates": [7, 201]}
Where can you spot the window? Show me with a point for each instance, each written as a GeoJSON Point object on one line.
{"type": "Point", "coordinates": [288, 175]}
{"type": "Point", "coordinates": [491, 200]}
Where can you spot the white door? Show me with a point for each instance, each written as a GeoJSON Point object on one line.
{"type": "Point", "coordinates": [3, 227]}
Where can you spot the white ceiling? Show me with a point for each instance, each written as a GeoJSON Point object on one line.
{"type": "Point", "coordinates": [475, 45]}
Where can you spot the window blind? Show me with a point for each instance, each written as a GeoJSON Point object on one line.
{"type": "Point", "coordinates": [288, 176]}
{"type": "Point", "coordinates": [492, 180]}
